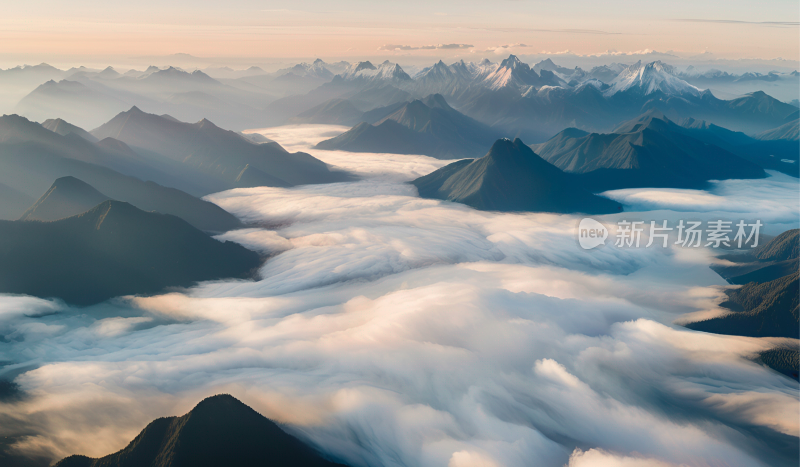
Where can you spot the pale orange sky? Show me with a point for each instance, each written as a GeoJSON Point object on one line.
{"type": "Point", "coordinates": [350, 28]}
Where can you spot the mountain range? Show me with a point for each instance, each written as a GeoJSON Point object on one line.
{"type": "Point", "coordinates": [536, 103]}
{"type": "Point", "coordinates": [426, 126]}
{"type": "Point", "coordinates": [517, 99]}
{"type": "Point", "coordinates": [511, 177]}
{"type": "Point", "coordinates": [110, 250]}
{"type": "Point", "coordinates": [218, 431]}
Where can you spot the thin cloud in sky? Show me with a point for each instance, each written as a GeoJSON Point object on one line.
{"type": "Point", "coordinates": [568, 31]}
{"type": "Point", "coordinates": [425, 47]}
{"type": "Point", "coordinates": [733, 21]}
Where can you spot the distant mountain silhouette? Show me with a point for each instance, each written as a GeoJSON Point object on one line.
{"type": "Point", "coordinates": [63, 128]}
{"type": "Point", "coordinates": [762, 105]}
{"type": "Point", "coordinates": [335, 111]}
{"type": "Point", "coordinates": [31, 157]}
{"type": "Point", "coordinates": [219, 431]}
{"type": "Point", "coordinates": [510, 177]}
{"type": "Point", "coordinates": [428, 126]}
{"type": "Point", "coordinates": [113, 249]}
{"type": "Point", "coordinates": [85, 104]}
{"type": "Point", "coordinates": [67, 197]}
{"type": "Point", "coordinates": [210, 151]}
{"type": "Point", "coordinates": [13, 202]}
{"type": "Point", "coordinates": [650, 151]}
{"type": "Point", "coordinates": [789, 131]}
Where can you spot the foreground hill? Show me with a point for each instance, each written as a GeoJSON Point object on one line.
{"type": "Point", "coordinates": [424, 126]}
{"type": "Point", "coordinates": [31, 157]}
{"type": "Point", "coordinates": [113, 249]}
{"type": "Point", "coordinates": [67, 197]}
{"type": "Point", "coordinates": [768, 262]}
{"type": "Point", "coordinates": [224, 156]}
{"type": "Point", "coordinates": [768, 309]}
{"type": "Point", "coordinates": [510, 177]}
{"type": "Point", "coordinates": [650, 151]}
{"type": "Point", "coordinates": [768, 304]}
{"type": "Point", "coordinates": [219, 431]}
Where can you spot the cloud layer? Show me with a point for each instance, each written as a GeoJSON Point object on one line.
{"type": "Point", "coordinates": [392, 330]}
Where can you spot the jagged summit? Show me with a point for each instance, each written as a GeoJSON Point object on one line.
{"type": "Point", "coordinates": [364, 66]}
{"type": "Point", "coordinates": [366, 71]}
{"type": "Point", "coordinates": [511, 62]}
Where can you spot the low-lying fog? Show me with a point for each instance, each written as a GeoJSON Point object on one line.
{"type": "Point", "coordinates": [393, 330]}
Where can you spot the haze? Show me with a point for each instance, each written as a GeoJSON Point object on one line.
{"type": "Point", "coordinates": [74, 32]}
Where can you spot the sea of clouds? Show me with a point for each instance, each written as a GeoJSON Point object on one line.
{"type": "Point", "coordinates": [392, 330]}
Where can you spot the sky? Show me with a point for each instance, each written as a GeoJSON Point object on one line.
{"type": "Point", "coordinates": [49, 30]}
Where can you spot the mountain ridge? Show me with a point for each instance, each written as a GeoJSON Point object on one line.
{"type": "Point", "coordinates": [220, 430]}
{"type": "Point", "coordinates": [511, 177]}
{"type": "Point", "coordinates": [110, 250]}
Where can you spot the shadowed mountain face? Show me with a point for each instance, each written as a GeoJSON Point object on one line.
{"type": "Point", "coordinates": [225, 156]}
{"type": "Point", "coordinates": [219, 431]}
{"type": "Point", "coordinates": [789, 131]}
{"type": "Point", "coordinates": [650, 151]}
{"type": "Point", "coordinates": [113, 249]}
{"type": "Point", "coordinates": [776, 150]}
{"type": "Point", "coordinates": [512, 178]}
{"type": "Point", "coordinates": [31, 157]}
{"type": "Point", "coordinates": [428, 126]}
{"type": "Point", "coordinates": [67, 197]}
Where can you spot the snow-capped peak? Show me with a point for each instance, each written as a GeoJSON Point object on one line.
{"type": "Point", "coordinates": [368, 71]}
{"type": "Point", "coordinates": [512, 72]}
{"type": "Point", "coordinates": [649, 78]}
{"type": "Point", "coordinates": [437, 72]}
{"type": "Point", "coordinates": [512, 62]}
